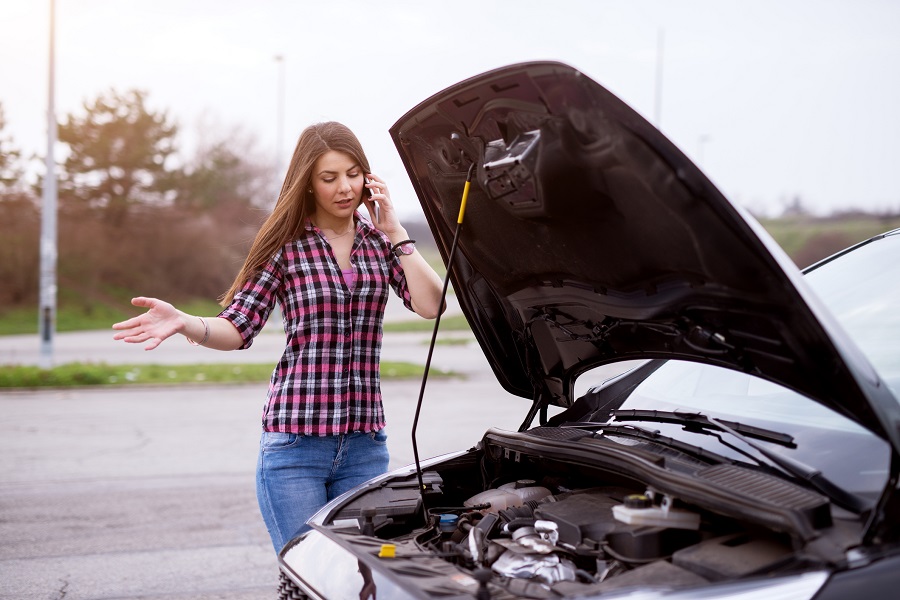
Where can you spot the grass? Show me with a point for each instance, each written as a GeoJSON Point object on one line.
{"type": "Point", "coordinates": [21, 321]}
{"type": "Point", "coordinates": [792, 234]}
{"type": "Point", "coordinates": [78, 316]}
{"type": "Point", "coordinates": [91, 374]}
{"type": "Point", "coordinates": [452, 323]}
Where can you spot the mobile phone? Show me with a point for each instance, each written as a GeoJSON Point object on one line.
{"type": "Point", "coordinates": [376, 208]}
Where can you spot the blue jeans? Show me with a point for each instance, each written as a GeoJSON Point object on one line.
{"type": "Point", "coordinates": [298, 474]}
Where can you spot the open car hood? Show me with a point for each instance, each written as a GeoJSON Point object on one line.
{"type": "Point", "coordinates": [589, 238]}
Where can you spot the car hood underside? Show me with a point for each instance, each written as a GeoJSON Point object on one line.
{"type": "Point", "coordinates": [589, 238]}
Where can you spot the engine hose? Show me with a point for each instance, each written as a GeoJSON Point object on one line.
{"type": "Point", "coordinates": [516, 512]}
{"type": "Point", "coordinates": [630, 561]}
{"type": "Point", "coordinates": [467, 520]}
{"type": "Point", "coordinates": [519, 523]}
{"type": "Point", "coordinates": [585, 576]}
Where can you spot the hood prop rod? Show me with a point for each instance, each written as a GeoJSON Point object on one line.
{"type": "Point", "coordinates": [437, 324]}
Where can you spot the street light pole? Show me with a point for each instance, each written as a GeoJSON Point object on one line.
{"type": "Point", "coordinates": [47, 307]}
{"type": "Point", "coordinates": [279, 143]}
{"type": "Point", "coordinates": [657, 96]}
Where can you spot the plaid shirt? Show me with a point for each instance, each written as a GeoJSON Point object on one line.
{"type": "Point", "coordinates": [327, 381]}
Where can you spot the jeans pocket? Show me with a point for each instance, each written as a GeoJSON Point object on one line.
{"type": "Point", "coordinates": [275, 440]}
{"type": "Point", "coordinates": [378, 437]}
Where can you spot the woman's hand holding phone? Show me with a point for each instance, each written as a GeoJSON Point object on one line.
{"type": "Point", "coordinates": [376, 210]}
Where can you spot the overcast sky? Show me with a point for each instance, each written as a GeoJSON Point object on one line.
{"type": "Point", "coordinates": [771, 98]}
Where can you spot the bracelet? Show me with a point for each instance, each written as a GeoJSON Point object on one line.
{"type": "Point", "coordinates": [205, 335]}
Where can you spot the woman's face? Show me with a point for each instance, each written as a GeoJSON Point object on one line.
{"type": "Point", "coordinates": [337, 183]}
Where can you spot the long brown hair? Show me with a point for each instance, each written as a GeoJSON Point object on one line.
{"type": "Point", "coordinates": [295, 202]}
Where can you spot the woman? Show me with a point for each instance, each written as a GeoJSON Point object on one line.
{"type": "Point", "coordinates": [329, 269]}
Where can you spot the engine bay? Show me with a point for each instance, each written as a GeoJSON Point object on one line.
{"type": "Point", "coordinates": [570, 540]}
{"type": "Point", "coordinates": [541, 527]}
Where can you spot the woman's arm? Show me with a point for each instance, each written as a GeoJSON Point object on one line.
{"type": "Point", "coordinates": [163, 320]}
{"type": "Point", "coordinates": [424, 284]}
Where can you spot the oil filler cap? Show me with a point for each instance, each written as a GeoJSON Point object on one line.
{"type": "Point", "coordinates": [637, 501]}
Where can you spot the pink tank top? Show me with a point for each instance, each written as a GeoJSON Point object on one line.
{"type": "Point", "coordinates": [349, 277]}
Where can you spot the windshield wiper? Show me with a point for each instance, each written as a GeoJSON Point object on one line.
{"type": "Point", "coordinates": [692, 420]}
{"type": "Point", "coordinates": [698, 422]}
{"type": "Point", "coordinates": [652, 435]}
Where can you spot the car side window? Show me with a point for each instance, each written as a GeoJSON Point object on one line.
{"type": "Point", "coordinates": [862, 290]}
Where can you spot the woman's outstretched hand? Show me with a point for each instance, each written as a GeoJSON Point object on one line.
{"type": "Point", "coordinates": [154, 326]}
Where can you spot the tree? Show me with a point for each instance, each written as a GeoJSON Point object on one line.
{"type": "Point", "coordinates": [221, 192]}
{"type": "Point", "coordinates": [10, 169]}
{"type": "Point", "coordinates": [227, 174]}
{"type": "Point", "coordinates": [795, 207]}
{"type": "Point", "coordinates": [19, 228]}
{"type": "Point", "coordinates": [118, 155]}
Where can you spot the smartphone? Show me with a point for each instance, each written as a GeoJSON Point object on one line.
{"type": "Point", "coordinates": [376, 208]}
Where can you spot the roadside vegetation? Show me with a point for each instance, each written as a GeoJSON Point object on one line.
{"type": "Point", "coordinates": [138, 217]}
{"type": "Point", "coordinates": [83, 305]}
{"type": "Point", "coordinates": [135, 215]}
{"type": "Point", "coordinates": [88, 374]}
{"type": "Point", "coordinates": [807, 239]}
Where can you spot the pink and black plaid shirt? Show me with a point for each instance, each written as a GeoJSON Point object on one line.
{"type": "Point", "coordinates": [327, 381]}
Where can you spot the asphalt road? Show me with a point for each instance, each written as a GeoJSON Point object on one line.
{"type": "Point", "coordinates": [148, 492]}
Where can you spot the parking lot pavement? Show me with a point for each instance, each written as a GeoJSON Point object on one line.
{"type": "Point", "coordinates": [130, 493]}
{"type": "Point", "coordinates": [148, 492]}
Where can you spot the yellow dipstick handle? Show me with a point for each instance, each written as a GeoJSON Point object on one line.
{"type": "Point", "coordinates": [387, 551]}
{"type": "Point", "coordinates": [462, 206]}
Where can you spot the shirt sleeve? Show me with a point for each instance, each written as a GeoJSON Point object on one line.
{"type": "Point", "coordinates": [253, 304]}
{"type": "Point", "coordinates": [398, 280]}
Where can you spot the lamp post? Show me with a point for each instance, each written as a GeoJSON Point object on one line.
{"type": "Point", "coordinates": [279, 136]}
{"type": "Point", "coordinates": [47, 302]}
{"type": "Point", "coordinates": [657, 96]}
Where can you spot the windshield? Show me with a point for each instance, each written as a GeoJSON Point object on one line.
{"type": "Point", "coordinates": [845, 452]}
{"type": "Point", "coordinates": [861, 288]}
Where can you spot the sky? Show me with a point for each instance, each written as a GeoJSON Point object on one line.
{"type": "Point", "coordinates": [773, 99]}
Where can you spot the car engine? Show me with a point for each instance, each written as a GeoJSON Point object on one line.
{"type": "Point", "coordinates": [567, 526]}
{"type": "Point", "coordinates": [604, 537]}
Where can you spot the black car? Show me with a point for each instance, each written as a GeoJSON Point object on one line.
{"type": "Point", "coordinates": [750, 445]}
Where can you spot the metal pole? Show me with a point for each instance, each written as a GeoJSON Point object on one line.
{"type": "Point", "coordinates": [657, 108]}
{"type": "Point", "coordinates": [47, 306]}
{"type": "Point", "coordinates": [279, 144]}
{"type": "Point", "coordinates": [437, 324]}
